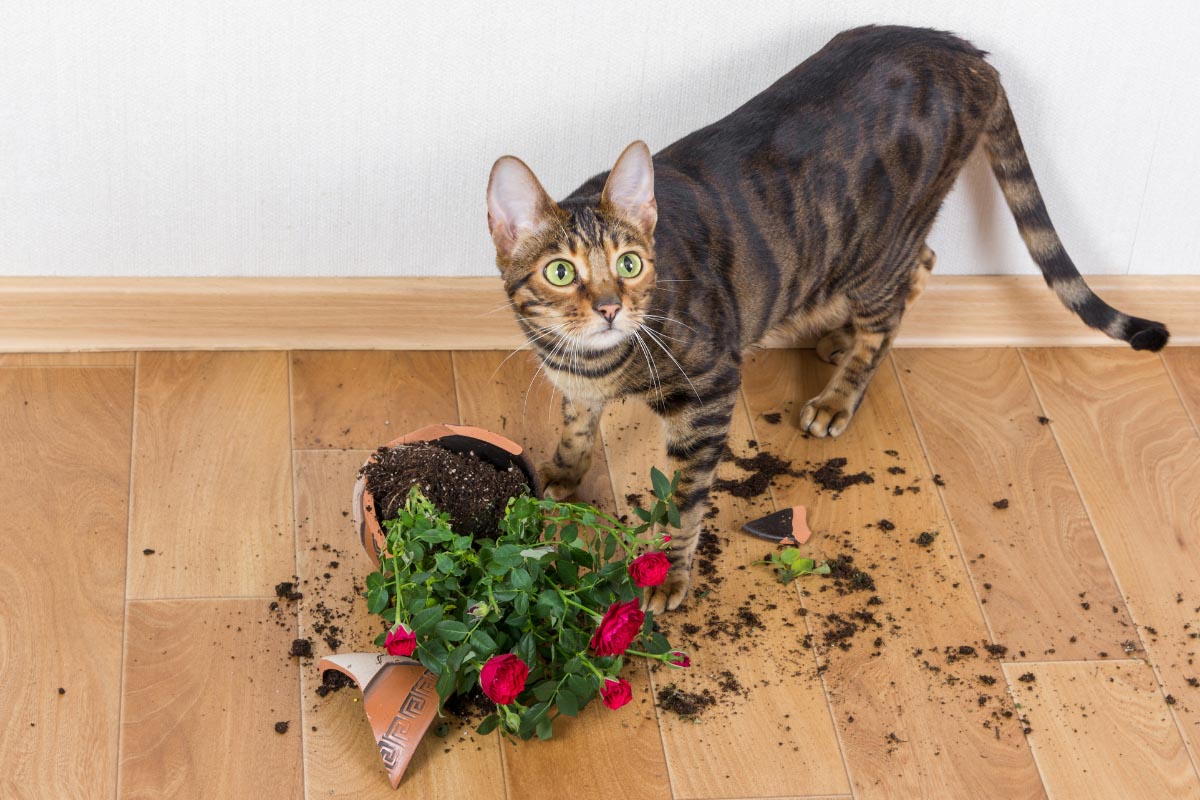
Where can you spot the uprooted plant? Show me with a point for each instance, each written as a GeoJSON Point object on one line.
{"type": "Point", "coordinates": [541, 617]}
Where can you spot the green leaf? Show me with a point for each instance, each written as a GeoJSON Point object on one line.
{"type": "Point", "coordinates": [662, 486]}
{"type": "Point", "coordinates": [673, 516]}
{"type": "Point", "coordinates": [374, 580]}
{"type": "Point", "coordinates": [489, 724]}
{"type": "Point", "coordinates": [550, 605]}
{"type": "Point", "coordinates": [568, 705]}
{"type": "Point", "coordinates": [377, 600]}
{"type": "Point", "coordinates": [451, 630]}
{"type": "Point", "coordinates": [425, 620]}
{"type": "Point", "coordinates": [445, 684]}
{"type": "Point", "coordinates": [484, 644]}
{"type": "Point", "coordinates": [521, 604]}
{"type": "Point", "coordinates": [610, 547]}
{"type": "Point", "coordinates": [520, 578]}
{"type": "Point", "coordinates": [545, 728]}
{"type": "Point", "coordinates": [445, 563]}
{"type": "Point", "coordinates": [527, 649]}
{"type": "Point", "coordinates": [642, 514]}
{"type": "Point", "coordinates": [545, 689]}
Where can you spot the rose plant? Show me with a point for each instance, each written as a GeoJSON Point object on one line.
{"type": "Point", "coordinates": [541, 617]}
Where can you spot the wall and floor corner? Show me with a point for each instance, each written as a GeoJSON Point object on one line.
{"type": "Point", "coordinates": [140, 140]}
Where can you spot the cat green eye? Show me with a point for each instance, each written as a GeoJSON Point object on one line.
{"type": "Point", "coordinates": [629, 265]}
{"type": "Point", "coordinates": [560, 272]}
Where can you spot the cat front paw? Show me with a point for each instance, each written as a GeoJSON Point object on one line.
{"type": "Point", "coordinates": [669, 594]}
{"type": "Point", "coordinates": [558, 483]}
{"type": "Point", "coordinates": [821, 417]}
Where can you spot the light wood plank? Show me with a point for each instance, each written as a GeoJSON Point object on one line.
{"type": "Point", "coordinates": [977, 416]}
{"type": "Point", "coordinates": [945, 750]}
{"type": "Point", "coordinates": [340, 755]}
{"type": "Point", "coordinates": [362, 399]}
{"type": "Point", "coordinates": [1102, 730]}
{"type": "Point", "coordinates": [205, 683]}
{"type": "Point", "coordinates": [443, 313]}
{"type": "Point", "coordinates": [123, 359]}
{"type": "Point", "coordinates": [618, 744]}
{"type": "Point", "coordinates": [784, 718]}
{"type": "Point", "coordinates": [212, 475]}
{"type": "Point", "coordinates": [65, 490]}
{"type": "Point", "coordinates": [1136, 459]}
{"type": "Point", "coordinates": [1183, 364]}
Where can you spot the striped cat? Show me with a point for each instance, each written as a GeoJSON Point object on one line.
{"type": "Point", "coordinates": [805, 209]}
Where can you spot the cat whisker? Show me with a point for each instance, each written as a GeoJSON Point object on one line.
{"type": "Point", "coordinates": [655, 379]}
{"type": "Point", "coordinates": [679, 366]}
{"type": "Point", "coordinates": [541, 333]}
{"type": "Point", "coordinates": [669, 319]}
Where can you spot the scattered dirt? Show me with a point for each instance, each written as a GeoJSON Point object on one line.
{"type": "Point", "coordinates": [148, 552]}
{"type": "Point", "coordinates": [302, 648]}
{"type": "Point", "coordinates": [832, 477]}
{"type": "Point", "coordinates": [763, 467]}
{"type": "Point", "coordinates": [1001, 504]}
{"type": "Point", "coordinates": [281, 726]}
{"type": "Point", "coordinates": [471, 707]}
{"type": "Point", "coordinates": [847, 577]}
{"type": "Point", "coordinates": [333, 681]}
{"type": "Point", "coordinates": [1044, 420]}
{"type": "Point", "coordinates": [686, 704]}
{"type": "Point", "coordinates": [774, 418]}
{"type": "Point", "coordinates": [286, 590]}
{"type": "Point", "coordinates": [469, 489]}
{"type": "Point", "coordinates": [925, 539]}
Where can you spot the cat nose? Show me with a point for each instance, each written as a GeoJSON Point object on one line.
{"type": "Point", "coordinates": [608, 308]}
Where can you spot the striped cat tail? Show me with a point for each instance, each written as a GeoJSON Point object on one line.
{"type": "Point", "coordinates": [1010, 164]}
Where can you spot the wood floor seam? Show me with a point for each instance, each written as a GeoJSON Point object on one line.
{"type": "Point", "coordinates": [829, 705]}
{"type": "Point", "coordinates": [291, 403]}
{"type": "Point", "coordinates": [128, 555]}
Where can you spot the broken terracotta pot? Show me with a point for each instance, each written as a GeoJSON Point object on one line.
{"type": "Point", "coordinates": [400, 698]}
{"type": "Point", "coordinates": [789, 526]}
{"type": "Point", "coordinates": [491, 447]}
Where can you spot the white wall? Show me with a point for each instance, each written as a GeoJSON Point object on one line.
{"type": "Point", "coordinates": [280, 137]}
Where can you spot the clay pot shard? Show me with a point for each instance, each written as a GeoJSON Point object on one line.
{"type": "Point", "coordinates": [491, 447]}
{"type": "Point", "coordinates": [789, 526]}
{"type": "Point", "coordinates": [400, 698]}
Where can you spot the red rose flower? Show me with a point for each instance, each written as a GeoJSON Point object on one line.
{"type": "Point", "coordinates": [618, 628]}
{"type": "Point", "coordinates": [616, 692]}
{"type": "Point", "coordinates": [503, 678]}
{"type": "Point", "coordinates": [400, 641]}
{"type": "Point", "coordinates": [679, 659]}
{"type": "Point", "coordinates": [649, 569]}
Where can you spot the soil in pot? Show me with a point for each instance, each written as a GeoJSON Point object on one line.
{"type": "Point", "coordinates": [469, 489]}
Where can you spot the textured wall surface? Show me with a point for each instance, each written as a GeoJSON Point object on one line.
{"type": "Point", "coordinates": [139, 137]}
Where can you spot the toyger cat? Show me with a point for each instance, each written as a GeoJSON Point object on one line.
{"type": "Point", "coordinates": [806, 208]}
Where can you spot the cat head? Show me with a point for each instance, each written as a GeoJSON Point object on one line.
{"type": "Point", "coordinates": [581, 270]}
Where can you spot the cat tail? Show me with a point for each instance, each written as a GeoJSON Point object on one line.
{"type": "Point", "coordinates": [1010, 164]}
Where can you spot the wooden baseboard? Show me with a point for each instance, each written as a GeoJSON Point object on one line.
{"type": "Point", "coordinates": [90, 314]}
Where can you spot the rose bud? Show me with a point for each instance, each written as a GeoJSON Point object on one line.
{"type": "Point", "coordinates": [400, 641]}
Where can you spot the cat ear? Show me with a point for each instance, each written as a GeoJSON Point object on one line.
{"type": "Point", "coordinates": [629, 190]}
{"type": "Point", "coordinates": [517, 203]}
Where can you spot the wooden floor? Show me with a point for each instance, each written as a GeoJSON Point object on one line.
{"type": "Point", "coordinates": [151, 502]}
